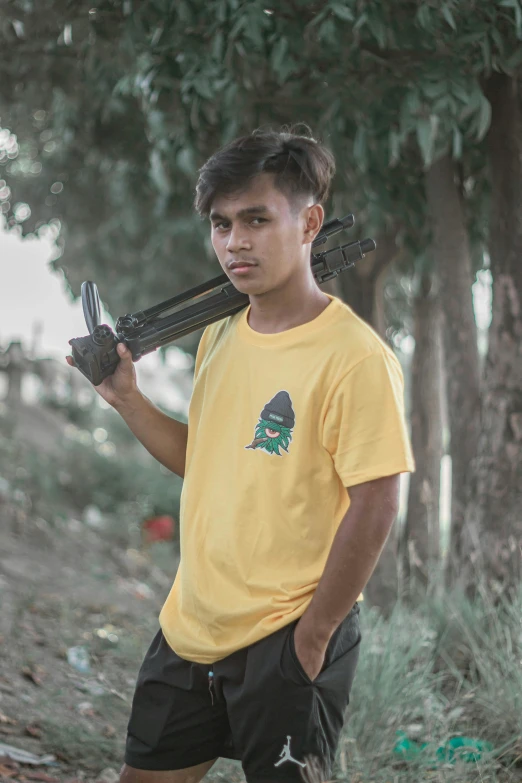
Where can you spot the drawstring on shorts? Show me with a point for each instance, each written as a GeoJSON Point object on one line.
{"type": "Point", "coordinates": [211, 685]}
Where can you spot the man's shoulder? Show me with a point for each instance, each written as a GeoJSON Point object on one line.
{"type": "Point", "coordinates": [354, 339]}
{"type": "Point", "coordinates": [218, 331]}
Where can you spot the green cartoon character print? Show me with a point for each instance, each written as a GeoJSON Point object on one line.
{"type": "Point", "coordinates": [275, 425]}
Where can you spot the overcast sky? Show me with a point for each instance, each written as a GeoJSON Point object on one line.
{"type": "Point", "coordinates": [31, 295]}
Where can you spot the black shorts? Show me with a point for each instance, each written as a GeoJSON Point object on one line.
{"type": "Point", "coordinates": [257, 705]}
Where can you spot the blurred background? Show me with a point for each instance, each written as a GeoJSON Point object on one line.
{"type": "Point", "coordinates": [107, 110]}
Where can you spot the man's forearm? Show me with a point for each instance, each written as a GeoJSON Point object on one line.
{"type": "Point", "coordinates": [353, 556]}
{"type": "Point", "coordinates": [163, 437]}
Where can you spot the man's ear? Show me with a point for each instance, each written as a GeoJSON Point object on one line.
{"type": "Point", "coordinates": [314, 217]}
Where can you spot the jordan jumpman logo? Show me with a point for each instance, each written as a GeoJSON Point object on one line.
{"type": "Point", "coordinates": [285, 754]}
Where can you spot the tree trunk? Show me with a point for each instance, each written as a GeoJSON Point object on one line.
{"type": "Point", "coordinates": [453, 263]}
{"type": "Point", "coordinates": [379, 304]}
{"type": "Point", "coordinates": [421, 533]}
{"type": "Point", "coordinates": [358, 285]}
{"type": "Point", "coordinates": [494, 530]}
{"type": "Point", "coordinates": [360, 290]}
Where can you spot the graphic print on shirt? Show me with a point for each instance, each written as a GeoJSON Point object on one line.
{"type": "Point", "coordinates": [275, 425]}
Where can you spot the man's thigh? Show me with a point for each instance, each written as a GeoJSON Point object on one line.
{"type": "Point", "coordinates": [283, 724]}
{"type": "Point", "coordinates": [175, 722]}
{"type": "Point", "coordinates": [189, 775]}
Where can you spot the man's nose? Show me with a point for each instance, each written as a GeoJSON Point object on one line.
{"type": "Point", "coordinates": [237, 240]}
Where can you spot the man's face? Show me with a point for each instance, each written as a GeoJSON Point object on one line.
{"type": "Point", "coordinates": [259, 238]}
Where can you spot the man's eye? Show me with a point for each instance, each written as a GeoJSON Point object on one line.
{"type": "Point", "coordinates": [221, 225]}
{"type": "Point", "coordinates": [259, 220]}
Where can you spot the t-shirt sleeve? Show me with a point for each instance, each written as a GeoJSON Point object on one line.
{"type": "Point", "coordinates": [365, 428]}
{"type": "Point", "coordinates": [200, 353]}
{"type": "Point", "coordinates": [209, 338]}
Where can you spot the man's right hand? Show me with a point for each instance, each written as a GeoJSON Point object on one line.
{"type": "Point", "coordinates": [121, 386]}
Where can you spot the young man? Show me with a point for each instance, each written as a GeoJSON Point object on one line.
{"type": "Point", "coordinates": [291, 459]}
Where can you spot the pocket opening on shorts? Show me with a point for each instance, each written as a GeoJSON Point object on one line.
{"type": "Point", "coordinates": [350, 625]}
{"type": "Point", "coordinates": [295, 659]}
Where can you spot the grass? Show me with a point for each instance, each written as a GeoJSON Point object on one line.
{"type": "Point", "coordinates": [82, 746]}
{"type": "Point", "coordinates": [450, 667]}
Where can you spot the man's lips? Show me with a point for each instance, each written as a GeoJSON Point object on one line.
{"type": "Point", "coordinates": [240, 265]}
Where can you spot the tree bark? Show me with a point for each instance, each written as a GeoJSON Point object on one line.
{"type": "Point", "coordinates": [421, 533]}
{"type": "Point", "coordinates": [494, 521]}
{"type": "Point", "coordinates": [453, 264]}
{"type": "Point", "coordinates": [379, 304]}
{"type": "Point", "coordinates": [359, 288]}
{"type": "Point", "coordinates": [358, 285]}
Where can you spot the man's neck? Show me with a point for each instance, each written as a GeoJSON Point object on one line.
{"type": "Point", "coordinates": [288, 307]}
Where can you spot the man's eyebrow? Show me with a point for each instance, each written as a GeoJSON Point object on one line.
{"type": "Point", "coordinates": [256, 210]}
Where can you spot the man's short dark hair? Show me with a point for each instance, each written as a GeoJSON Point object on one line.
{"type": "Point", "coordinates": [302, 166]}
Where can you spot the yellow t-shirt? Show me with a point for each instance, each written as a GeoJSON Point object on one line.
{"type": "Point", "coordinates": [279, 426]}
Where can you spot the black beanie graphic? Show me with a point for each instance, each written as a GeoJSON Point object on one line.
{"type": "Point", "coordinates": [275, 425]}
{"type": "Point", "coordinates": [280, 410]}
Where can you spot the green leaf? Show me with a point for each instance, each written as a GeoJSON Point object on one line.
{"type": "Point", "coordinates": [342, 11]}
{"type": "Point", "coordinates": [288, 67]}
{"type": "Point", "coordinates": [484, 119]}
{"type": "Point", "coordinates": [486, 52]}
{"type": "Point", "coordinates": [256, 23]}
{"type": "Point", "coordinates": [361, 21]}
{"type": "Point", "coordinates": [460, 92]}
{"type": "Point", "coordinates": [218, 44]}
{"type": "Point", "coordinates": [452, 106]}
{"type": "Point", "coordinates": [124, 86]}
{"type": "Point", "coordinates": [434, 89]}
{"type": "Point", "coordinates": [194, 114]}
{"type": "Point", "coordinates": [202, 86]}
{"type": "Point", "coordinates": [426, 134]}
{"type": "Point", "coordinates": [379, 32]}
{"type": "Point", "coordinates": [441, 105]}
{"type": "Point", "coordinates": [237, 27]}
{"type": "Point", "coordinates": [220, 10]}
{"type": "Point", "coordinates": [448, 16]}
{"type": "Point", "coordinates": [394, 145]}
{"type": "Point", "coordinates": [496, 37]}
{"type": "Point", "coordinates": [279, 53]}
{"type": "Point", "coordinates": [359, 148]}
{"type": "Point", "coordinates": [327, 31]}
{"type": "Point", "coordinates": [412, 102]}
{"type": "Point", "coordinates": [423, 16]}
{"type": "Point", "coordinates": [186, 162]}
{"type": "Point", "coordinates": [409, 111]}
{"type": "Point", "coordinates": [318, 18]}
{"type": "Point", "coordinates": [457, 144]}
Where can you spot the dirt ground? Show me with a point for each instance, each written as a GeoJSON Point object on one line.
{"type": "Point", "coordinates": [62, 589]}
